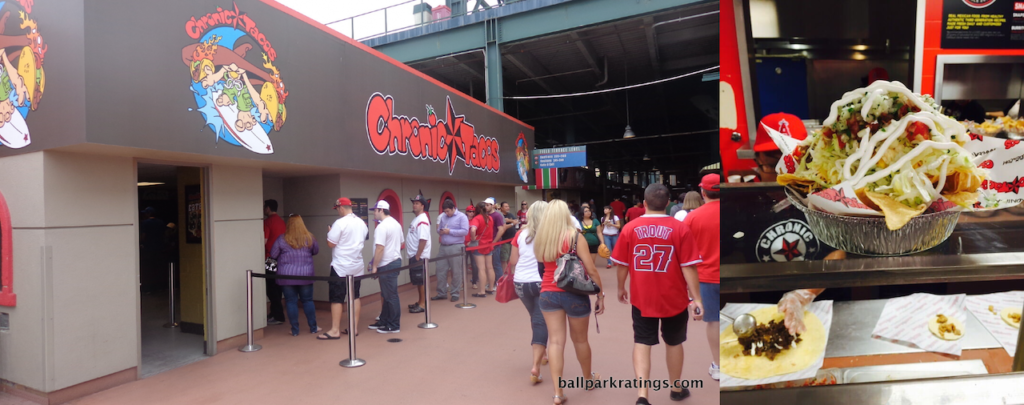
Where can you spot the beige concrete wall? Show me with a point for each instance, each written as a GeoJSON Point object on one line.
{"type": "Point", "coordinates": [90, 204]}
{"type": "Point", "coordinates": [23, 347]}
{"type": "Point", "coordinates": [236, 218]}
{"type": "Point", "coordinates": [527, 195]}
{"type": "Point", "coordinates": [312, 197]}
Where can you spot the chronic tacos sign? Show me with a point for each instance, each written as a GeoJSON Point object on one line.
{"type": "Point", "coordinates": [22, 79]}
{"type": "Point", "coordinates": [438, 140]}
{"type": "Point", "coordinates": [224, 79]}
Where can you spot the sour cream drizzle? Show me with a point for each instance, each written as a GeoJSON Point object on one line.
{"type": "Point", "coordinates": [865, 155]}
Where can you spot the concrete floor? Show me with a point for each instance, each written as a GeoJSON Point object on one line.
{"type": "Point", "coordinates": [165, 348]}
{"type": "Point", "coordinates": [479, 355]}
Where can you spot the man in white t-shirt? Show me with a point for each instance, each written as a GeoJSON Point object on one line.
{"type": "Point", "coordinates": [387, 241]}
{"type": "Point", "coordinates": [417, 248]}
{"type": "Point", "coordinates": [345, 238]}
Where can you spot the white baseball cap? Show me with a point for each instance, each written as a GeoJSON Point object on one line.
{"type": "Point", "coordinates": [382, 205]}
{"type": "Point", "coordinates": [489, 200]}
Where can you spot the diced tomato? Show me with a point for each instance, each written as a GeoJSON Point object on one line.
{"type": "Point", "coordinates": [853, 125]}
{"type": "Point", "coordinates": [915, 109]}
{"type": "Point", "coordinates": [798, 153]}
{"type": "Point", "coordinates": [903, 111]}
{"type": "Point", "coordinates": [918, 131]}
{"type": "Point", "coordinates": [842, 145]}
{"type": "Point", "coordinates": [827, 133]}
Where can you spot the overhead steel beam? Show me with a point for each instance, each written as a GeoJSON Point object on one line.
{"type": "Point", "coordinates": [652, 45]}
{"type": "Point", "coordinates": [426, 42]}
{"type": "Point", "coordinates": [587, 51]}
{"type": "Point", "coordinates": [690, 62]}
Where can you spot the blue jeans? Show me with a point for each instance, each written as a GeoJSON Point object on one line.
{"type": "Point", "coordinates": [529, 293]}
{"type": "Point", "coordinates": [609, 242]}
{"type": "Point", "coordinates": [496, 260]}
{"type": "Point", "coordinates": [390, 313]}
{"type": "Point", "coordinates": [294, 293]}
{"type": "Point", "coordinates": [709, 296]}
{"type": "Point", "coordinates": [575, 306]}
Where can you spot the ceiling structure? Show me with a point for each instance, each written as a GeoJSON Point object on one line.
{"type": "Point", "coordinates": [675, 122]}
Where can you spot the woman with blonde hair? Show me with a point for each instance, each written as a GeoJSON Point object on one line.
{"type": "Point", "coordinates": [557, 236]}
{"type": "Point", "coordinates": [483, 234]}
{"type": "Point", "coordinates": [525, 271]}
{"type": "Point", "coordinates": [294, 253]}
{"type": "Point", "coordinates": [691, 201]}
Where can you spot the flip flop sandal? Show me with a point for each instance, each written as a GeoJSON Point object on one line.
{"type": "Point", "coordinates": [345, 332]}
{"type": "Point", "coordinates": [489, 292]}
{"type": "Point", "coordinates": [536, 379]}
{"type": "Point", "coordinates": [561, 400]}
{"type": "Point", "coordinates": [325, 336]}
{"type": "Point", "coordinates": [593, 376]}
{"type": "Point", "coordinates": [544, 361]}
{"type": "Point", "coordinates": [479, 295]}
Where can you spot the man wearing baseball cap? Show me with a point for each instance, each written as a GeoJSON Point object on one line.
{"type": "Point", "coordinates": [417, 247]}
{"type": "Point", "coordinates": [705, 225]}
{"type": "Point", "coordinates": [498, 226]}
{"type": "Point", "coordinates": [345, 238]}
{"type": "Point", "coordinates": [766, 152]}
{"type": "Point", "coordinates": [387, 255]}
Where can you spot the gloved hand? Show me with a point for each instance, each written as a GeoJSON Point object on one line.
{"type": "Point", "coordinates": [792, 306]}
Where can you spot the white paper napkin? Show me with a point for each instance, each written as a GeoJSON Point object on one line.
{"type": "Point", "coordinates": [905, 321]}
{"type": "Point", "coordinates": [823, 309]}
{"type": "Point", "coordinates": [1005, 334]}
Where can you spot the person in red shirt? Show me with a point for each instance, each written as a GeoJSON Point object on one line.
{"type": "Point", "coordinates": [273, 228]}
{"type": "Point", "coordinates": [636, 211]}
{"type": "Point", "coordinates": [659, 254]}
{"type": "Point", "coordinates": [705, 224]}
{"type": "Point", "coordinates": [483, 234]}
{"type": "Point", "coordinates": [619, 207]}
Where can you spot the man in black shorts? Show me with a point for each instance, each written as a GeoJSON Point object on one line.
{"type": "Point", "coordinates": [658, 254]}
{"type": "Point", "coordinates": [345, 238]}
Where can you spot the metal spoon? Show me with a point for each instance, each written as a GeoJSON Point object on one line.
{"type": "Point", "coordinates": [742, 325]}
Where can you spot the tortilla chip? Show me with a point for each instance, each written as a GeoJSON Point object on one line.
{"type": "Point", "coordinates": [961, 181]}
{"type": "Point", "coordinates": [862, 194]}
{"type": "Point", "coordinates": [964, 198]}
{"type": "Point", "coordinates": [896, 214]}
{"type": "Point", "coordinates": [796, 182]}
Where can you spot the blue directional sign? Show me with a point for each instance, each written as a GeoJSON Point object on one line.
{"type": "Point", "coordinates": [572, 156]}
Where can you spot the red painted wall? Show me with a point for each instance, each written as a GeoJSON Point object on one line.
{"type": "Point", "coordinates": [932, 40]}
{"type": "Point", "coordinates": [730, 75]}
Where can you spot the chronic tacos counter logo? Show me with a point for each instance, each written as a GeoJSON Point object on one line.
{"type": "Point", "coordinates": [22, 79]}
{"type": "Point", "coordinates": [437, 140]}
{"type": "Point", "coordinates": [239, 93]}
{"type": "Point", "coordinates": [522, 157]}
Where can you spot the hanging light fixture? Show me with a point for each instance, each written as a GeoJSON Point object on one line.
{"type": "Point", "coordinates": [646, 157]}
{"type": "Point", "coordinates": [629, 131]}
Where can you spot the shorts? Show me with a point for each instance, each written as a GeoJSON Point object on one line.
{"type": "Point", "coordinates": [673, 329]}
{"type": "Point", "coordinates": [709, 296]}
{"type": "Point", "coordinates": [477, 252]}
{"type": "Point", "coordinates": [593, 249]}
{"type": "Point", "coordinates": [416, 271]}
{"type": "Point", "coordinates": [338, 288]}
{"type": "Point", "coordinates": [575, 306]}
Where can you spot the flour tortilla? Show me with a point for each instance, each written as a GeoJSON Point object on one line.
{"type": "Point", "coordinates": [1005, 314]}
{"type": "Point", "coordinates": [933, 327]}
{"type": "Point", "coordinates": [806, 353]}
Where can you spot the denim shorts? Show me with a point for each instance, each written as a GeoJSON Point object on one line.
{"type": "Point", "coordinates": [575, 306]}
{"type": "Point", "coordinates": [709, 296]}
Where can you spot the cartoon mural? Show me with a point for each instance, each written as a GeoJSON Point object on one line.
{"type": "Point", "coordinates": [22, 79]}
{"type": "Point", "coordinates": [522, 157]}
{"type": "Point", "coordinates": [224, 81]}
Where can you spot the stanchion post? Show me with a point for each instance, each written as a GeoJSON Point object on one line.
{"type": "Point", "coordinates": [351, 361]}
{"type": "Point", "coordinates": [465, 284]}
{"type": "Point", "coordinates": [249, 345]}
{"type": "Point", "coordinates": [171, 323]}
{"type": "Point", "coordinates": [426, 290]}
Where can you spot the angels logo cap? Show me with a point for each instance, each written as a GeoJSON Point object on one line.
{"type": "Point", "coordinates": [787, 124]}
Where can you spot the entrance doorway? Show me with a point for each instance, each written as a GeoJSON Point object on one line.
{"type": "Point", "coordinates": [172, 267]}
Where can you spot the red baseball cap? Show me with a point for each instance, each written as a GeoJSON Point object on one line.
{"type": "Point", "coordinates": [710, 182]}
{"type": "Point", "coordinates": [343, 202]}
{"type": "Point", "coordinates": [470, 209]}
{"type": "Point", "coordinates": [784, 123]}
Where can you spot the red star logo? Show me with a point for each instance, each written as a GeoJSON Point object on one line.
{"type": "Point", "coordinates": [791, 250]}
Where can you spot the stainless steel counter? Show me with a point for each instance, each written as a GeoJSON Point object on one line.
{"type": "Point", "coordinates": [985, 389]}
{"type": "Point", "coordinates": [853, 321]}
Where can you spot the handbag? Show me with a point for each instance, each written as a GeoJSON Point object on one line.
{"type": "Point", "coordinates": [270, 265]}
{"type": "Point", "coordinates": [506, 291]}
{"type": "Point", "coordinates": [571, 276]}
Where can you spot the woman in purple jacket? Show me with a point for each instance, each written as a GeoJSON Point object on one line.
{"type": "Point", "coordinates": [294, 254]}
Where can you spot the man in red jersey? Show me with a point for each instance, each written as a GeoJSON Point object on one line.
{"type": "Point", "coordinates": [705, 224]}
{"type": "Point", "coordinates": [659, 254]}
{"type": "Point", "coordinates": [619, 207]}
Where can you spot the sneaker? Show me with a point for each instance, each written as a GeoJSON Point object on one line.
{"type": "Point", "coordinates": [273, 321]}
{"type": "Point", "coordinates": [417, 309]}
{"type": "Point", "coordinates": [377, 318]}
{"type": "Point", "coordinates": [679, 396]}
{"type": "Point", "coordinates": [642, 401]}
{"type": "Point", "coordinates": [376, 325]}
{"type": "Point", "coordinates": [713, 370]}
{"type": "Point", "coordinates": [414, 305]}
{"type": "Point", "coordinates": [438, 297]}
{"type": "Point", "coordinates": [385, 329]}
